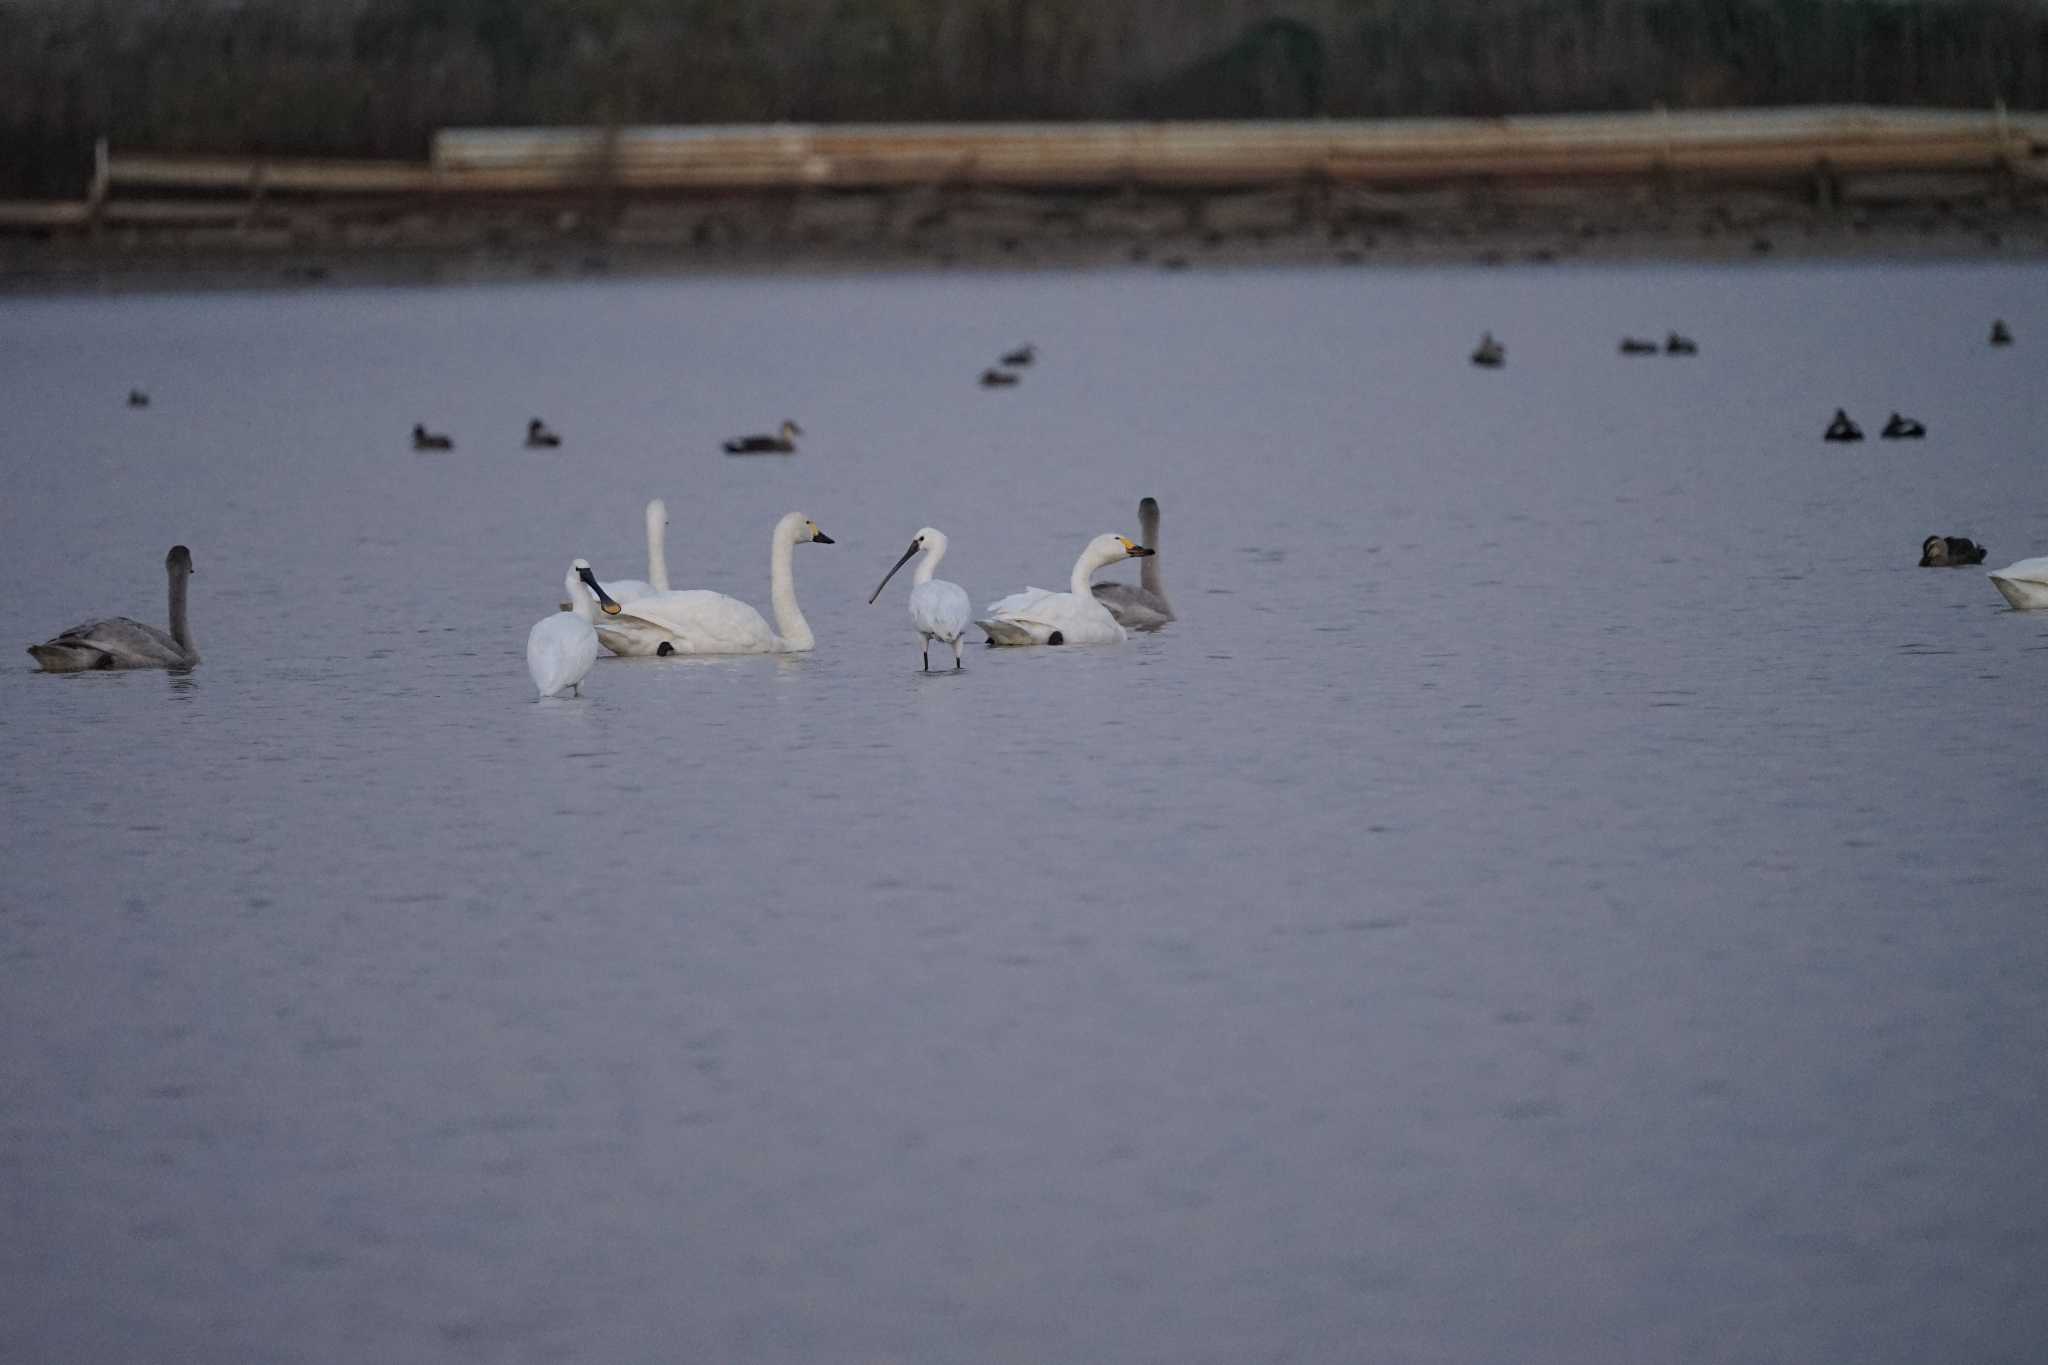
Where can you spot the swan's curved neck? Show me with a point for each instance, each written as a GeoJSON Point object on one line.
{"type": "Point", "coordinates": [657, 552]}
{"type": "Point", "coordinates": [790, 626]}
{"type": "Point", "coordinates": [1084, 569]}
{"type": "Point", "coordinates": [1148, 568]}
{"type": "Point", "coordinates": [180, 630]}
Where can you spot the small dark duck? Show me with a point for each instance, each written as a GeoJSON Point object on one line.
{"type": "Point", "coordinates": [782, 442]}
{"type": "Point", "coordinates": [538, 437]}
{"type": "Point", "coordinates": [997, 379]}
{"type": "Point", "coordinates": [1638, 346]}
{"type": "Point", "coordinates": [1950, 552]}
{"type": "Point", "coordinates": [137, 398]}
{"type": "Point", "coordinates": [422, 439]}
{"type": "Point", "coordinates": [1842, 429]}
{"type": "Point", "coordinates": [1022, 356]}
{"type": "Point", "coordinates": [1490, 354]}
{"type": "Point", "coordinates": [1674, 344]}
{"type": "Point", "coordinates": [2001, 335]}
{"type": "Point", "coordinates": [1902, 429]}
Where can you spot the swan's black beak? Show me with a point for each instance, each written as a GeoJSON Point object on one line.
{"type": "Point", "coordinates": [820, 538]}
{"type": "Point", "coordinates": [1139, 552]}
{"type": "Point", "coordinates": [914, 548]}
{"type": "Point", "coordinates": [604, 599]}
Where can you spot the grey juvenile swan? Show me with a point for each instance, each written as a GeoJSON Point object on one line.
{"type": "Point", "coordinates": [1144, 607]}
{"type": "Point", "coordinates": [118, 642]}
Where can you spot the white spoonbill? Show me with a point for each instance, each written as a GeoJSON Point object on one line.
{"type": "Point", "coordinates": [1144, 607]}
{"type": "Point", "coordinates": [563, 645]}
{"type": "Point", "coordinates": [2024, 584]}
{"type": "Point", "coordinates": [1038, 617]}
{"type": "Point", "coordinates": [938, 609]}
{"type": "Point", "coordinates": [118, 642]}
{"type": "Point", "coordinates": [701, 622]}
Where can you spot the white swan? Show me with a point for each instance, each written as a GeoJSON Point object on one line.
{"type": "Point", "coordinates": [700, 622]}
{"type": "Point", "coordinates": [118, 642]}
{"type": "Point", "coordinates": [938, 610]}
{"type": "Point", "coordinates": [1038, 617]}
{"type": "Point", "coordinates": [1144, 607]}
{"type": "Point", "coordinates": [626, 589]}
{"type": "Point", "coordinates": [562, 646]}
{"type": "Point", "coordinates": [2024, 584]}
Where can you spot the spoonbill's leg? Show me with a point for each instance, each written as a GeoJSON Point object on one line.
{"type": "Point", "coordinates": [927, 641]}
{"type": "Point", "coordinates": [957, 665]}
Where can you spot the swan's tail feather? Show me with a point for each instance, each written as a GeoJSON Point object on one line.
{"type": "Point", "coordinates": [65, 658]}
{"type": "Point", "coordinates": [1001, 632]}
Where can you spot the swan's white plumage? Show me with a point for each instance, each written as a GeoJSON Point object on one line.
{"type": "Point", "coordinates": [697, 621]}
{"type": "Point", "coordinates": [1034, 616]}
{"type": "Point", "coordinates": [626, 589]}
{"type": "Point", "coordinates": [2025, 584]}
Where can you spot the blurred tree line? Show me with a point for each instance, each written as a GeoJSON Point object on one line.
{"type": "Point", "coordinates": [376, 77]}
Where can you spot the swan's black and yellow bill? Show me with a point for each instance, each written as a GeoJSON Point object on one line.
{"type": "Point", "coordinates": [915, 546]}
{"type": "Point", "coordinates": [1133, 549]}
{"type": "Point", "coordinates": [604, 599]}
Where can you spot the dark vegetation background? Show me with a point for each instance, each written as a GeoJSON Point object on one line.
{"type": "Point", "coordinates": [376, 77]}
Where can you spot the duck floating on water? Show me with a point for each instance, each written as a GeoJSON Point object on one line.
{"type": "Point", "coordinates": [1950, 552]}
{"type": "Point", "coordinates": [1902, 429]}
{"type": "Point", "coordinates": [1842, 429]}
{"type": "Point", "coordinates": [997, 379]}
{"type": "Point", "coordinates": [1674, 344]}
{"type": "Point", "coordinates": [1638, 346]}
{"type": "Point", "coordinates": [2001, 335]}
{"type": "Point", "coordinates": [1489, 354]}
{"type": "Point", "coordinates": [1022, 356]}
{"type": "Point", "coordinates": [117, 642]}
{"type": "Point", "coordinates": [538, 437]}
{"type": "Point", "coordinates": [2024, 584]}
{"type": "Point", "coordinates": [137, 398]}
{"type": "Point", "coordinates": [783, 442]}
{"type": "Point", "coordinates": [422, 439]}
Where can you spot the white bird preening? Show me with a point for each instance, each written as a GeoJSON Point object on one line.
{"type": "Point", "coordinates": [938, 609]}
{"type": "Point", "coordinates": [563, 645]}
{"type": "Point", "coordinates": [1038, 617]}
{"type": "Point", "coordinates": [2024, 584]}
{"type": "Point", "coordinates": [118, 642]}
{"type": "Point", "coordinates": [1144, 607]}
{"type": "Point", "coordinates": [624, 590]}
{"type": "Point", "coordinates": [701, 622]}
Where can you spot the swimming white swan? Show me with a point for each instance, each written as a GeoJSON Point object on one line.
{"type": "Point", "coordinates": [562, 646]}
{"type": "Point", "coordinates": [626, 589]}
{"type": "Point", "coordinates": [1144, 607]}
{"type": "Point", "coordinates": [939, 610]}
{"type": "Point", "coordinates": [118, 642]}
{"type": "Point", "coordinates": [700, 622]}
{"type": "Point", "coordinates": [1038, 617]}
{"type": "Point", "coordinates": [2024, 584]}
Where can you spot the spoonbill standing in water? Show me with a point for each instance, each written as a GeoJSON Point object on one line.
{"type": "Point", "coordinates": [938, 609]}
{"type": "Point", "coordinates": [562, 646]}
{"type": "Point", "coordinates": [701, 622]}
{"type": "Point", "coordinates": [1038, 617]}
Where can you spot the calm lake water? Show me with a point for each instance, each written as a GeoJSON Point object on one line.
{"type": "Point", "coordinates": [1567, 889]}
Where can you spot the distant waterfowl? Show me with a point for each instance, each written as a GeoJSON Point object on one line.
{"type": "Point", "coordinates": [1490, 353]}
{"type": "Point", "coordinates": [997, 379]}
{"type": "Point", "coordinates": [562, 646]}
{"type": "Point", "coordinates": [1902, 429]}
{"type": "Point", "coordinates": [1144, 607]}
{"type": "Point", "coordinates": [1842, 429]}
{"type": "Point", "coordinates": [1638, 346]}
{"type": "Point", "coordinates": [422, 439]}
{"type": "Point", "coordinates": [2000, 334]}
{"type": "Point", "coordinates": [538, 437]}
{"type": "Point", "coordinates": [626, 589]}
{"type": "Point", "coordinates": [782, 443]}
{"type": "Point", "coordinates": [1023, 355]}
{"type": "Point", "coordinates": [938, 610]}
{"type": "Point", "coordinates": [1036, 616]}
{"type": "Point", "coordinates": [118, 642]}
{"type": "Point", "coordinates": [1950, 552]}
{"type": "Point", "coordinates": [1674, 344]}
{"type": "Point", "coordinates": [137, 398]}
{"type": "Point", "coordinates": [2024, 584]}
{"type": "Point", "coordinates": [701, 622]}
